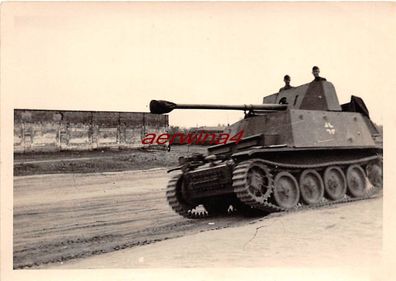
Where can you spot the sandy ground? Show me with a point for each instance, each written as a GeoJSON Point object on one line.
{"type": "Point", "coordinates": [101, 160]}
{"type": "Point", "coordinates": [68, 216]}
{"type": "Point", "coordinates": [341, 236]}
{"type": "Point", "coordinates": [121, 220]}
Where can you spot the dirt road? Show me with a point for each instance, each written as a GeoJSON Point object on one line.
{"type": "Point", "coordinates": [344, 236]}
{"type": "Point", "coordinates": [77, 162]}
{"type": "Point", "coordinates": [62, 218]}
{"type": "Point", "coordinates": [68, 216]}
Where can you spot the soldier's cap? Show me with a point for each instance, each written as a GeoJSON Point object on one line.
{"type": "Point", "coordinates": [286, 77]}
{"type": "Point", "coordinates": [315, 68]}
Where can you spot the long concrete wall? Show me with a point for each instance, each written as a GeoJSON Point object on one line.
{"type": "Point", "coordinates": [53, 130]}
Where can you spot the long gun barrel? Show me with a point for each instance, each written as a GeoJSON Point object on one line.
{"type": "Point", "coordinates": [162, 106]}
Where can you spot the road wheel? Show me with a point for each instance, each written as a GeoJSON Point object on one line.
{"type": "Point", "coordinates": [253, 185]}
{"type": "Point", "coordinates": [374, 174]}
{"type": "Point", "coordinates": [286, 191]}
{"type": "Point", "coordinates": [334, 183]}
{"type": "Point", "coordinates": [311, 187]}
{"type": "Point", "coordinates": [252, 182]}
{"type": "Point", "coordinates": [356, 181]}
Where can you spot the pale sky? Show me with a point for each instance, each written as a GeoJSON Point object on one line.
{"type": "Point", "coordinates": [119, 56]}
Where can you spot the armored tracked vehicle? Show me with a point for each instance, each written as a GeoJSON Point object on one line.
{"type": "Point", "coordinates": [306, 152]}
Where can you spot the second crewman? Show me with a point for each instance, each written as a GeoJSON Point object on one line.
{"type": "Point", "coordinates": [315, 72]}
{"type": "Point", "coordinates": [287, 86]}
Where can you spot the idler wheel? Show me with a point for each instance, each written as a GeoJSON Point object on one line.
{"type": "Point", "coordinates": [356, 181]}
{"type": "Point", "coordinates": [286, 191]}
{"type": "Point", "coordinates": [176, 196]}
{"type": "Point", "coordinates": [374, 174]}
{"type": "Point", "coordinates": [335, 183]}
{"type": "Point", "coordinates": [311, 187]}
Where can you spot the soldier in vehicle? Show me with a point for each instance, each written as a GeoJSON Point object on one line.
{"type": "Point", "coordinates": [287, 86]}
{"type": "Point", "coordinates": [283, 101]}
{"type": "Point", "coordinates": [315, 72]}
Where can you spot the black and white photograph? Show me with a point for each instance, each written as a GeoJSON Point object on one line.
{"type": "Point", "coordinates": [214, 140]}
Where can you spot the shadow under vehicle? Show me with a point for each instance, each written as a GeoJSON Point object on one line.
{"type": "Point", "coordinates": [308, 152]}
